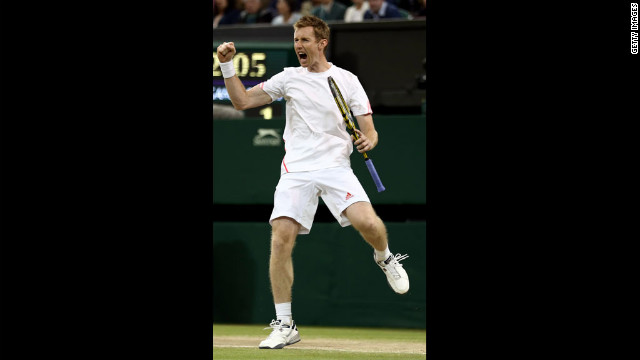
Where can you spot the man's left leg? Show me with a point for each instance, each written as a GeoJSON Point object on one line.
{"type": "Point", "coordinates": [366, 221]}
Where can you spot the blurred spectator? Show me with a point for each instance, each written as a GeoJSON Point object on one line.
{"type": "Point", "coordinates": [355, 12]}
{"type": "Point", "coordinates": [307, 5]}
{"type": "Point", "coordinates": [329, 10]}
{"type": "Point", "coordinates": [408, 7]}
{"type": "Point", "coordinates": [273, 7]}
{"type": "Point", "coordinates": [380, 9]}
{"type": "Point", "coordinates": [288, 11]}
{"type": "Point", "coordinates": [255, 12]}
{"type": "Point", "coordinates": [225, 13]}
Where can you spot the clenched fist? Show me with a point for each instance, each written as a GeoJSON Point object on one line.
{"type": "Point", "coordinates": [226, 51]}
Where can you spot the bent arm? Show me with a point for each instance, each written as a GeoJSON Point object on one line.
{"type": "Point", "coordinates": [365, 123]}
{"type": "Point", "coordinates": [243, 99]}
{"type": "Point", "coordinates": [240, 97]}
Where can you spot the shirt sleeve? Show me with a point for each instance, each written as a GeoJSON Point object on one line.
{"type": "Point", "coordinates": [275, 86]}
{"type": "Point", "coordinates": [358, 101]}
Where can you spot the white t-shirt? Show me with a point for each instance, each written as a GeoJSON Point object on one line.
{"type": "Point", "coordinates": [315, 135]}
{"type": "Point", "coordinates": [354, 15]}
{"type": "Point", "coordinates": [279, 20]}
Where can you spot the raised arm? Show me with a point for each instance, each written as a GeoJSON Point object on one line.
{"type": "Point", "coordinates": [240, 97]}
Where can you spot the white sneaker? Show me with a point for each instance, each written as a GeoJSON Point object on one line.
{"type": "Point", "coordinates": [281, 336]}
{"type": "Point", "coordinates": [396, 275]}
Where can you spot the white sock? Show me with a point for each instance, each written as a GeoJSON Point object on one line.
{"type": "Point", "coordinates": [283, 313]}
{"type": "Point", "coordinates": [383, 255]}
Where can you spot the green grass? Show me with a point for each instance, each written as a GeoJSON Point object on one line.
{"type": "Point", "coordinates": [300, 354]}
{"type": "Point", "coordinates": [411, 335]}
{"type": "Point", "coordinates": [402, 336]}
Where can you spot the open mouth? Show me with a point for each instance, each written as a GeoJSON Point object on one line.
{"type": "Point", "coordinates": [302, 56]}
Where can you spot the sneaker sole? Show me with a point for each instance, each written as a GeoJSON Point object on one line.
{"type": "Point", "coordinates": [394, 290]}
{"type": "Point", "coordinates": [280, 346]}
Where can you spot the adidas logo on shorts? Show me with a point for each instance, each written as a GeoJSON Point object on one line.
{"type": "Point", "coordinates": [349, 196]}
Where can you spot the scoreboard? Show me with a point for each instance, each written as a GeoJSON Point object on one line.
{"type": "Point", "coordinates": [256, 62]}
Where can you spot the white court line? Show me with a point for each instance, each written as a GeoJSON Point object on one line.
{"type": "Point", "coordinates": [324, 349]}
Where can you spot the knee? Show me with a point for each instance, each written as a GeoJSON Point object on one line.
{"type": "Point", "coordinates": [368, 225]}
{"type": "Point", "coordinates": [281, 244]}
{"type": "Point", "coordinates": [283, 235]}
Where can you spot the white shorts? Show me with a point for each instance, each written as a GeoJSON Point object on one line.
{"type": "Point", "coordinates": [297, 195]}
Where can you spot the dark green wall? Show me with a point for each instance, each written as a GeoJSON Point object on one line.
{"type": "Point", "coordinates": [248, 174]}
{"type": "Point", "coordinates": [336, 281]}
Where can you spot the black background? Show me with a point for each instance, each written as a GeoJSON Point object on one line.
{"type": "Point", "coordinates": [106, 214]}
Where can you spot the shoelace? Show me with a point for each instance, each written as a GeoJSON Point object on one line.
{"type": "Point", "coordinates": [395, 261]}
{"type": "Point", "coordinates": [399, 257]}
{"type": "Point", "coordinates": [275, 324]}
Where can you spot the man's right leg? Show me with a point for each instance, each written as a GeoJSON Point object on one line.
{"type": "Point", "coordinates": [283, 236]}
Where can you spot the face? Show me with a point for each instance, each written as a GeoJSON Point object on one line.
{"type": "Point", "coordinates": [308, 49]}
{"type": "Point", "coordinates": [221, 4]}
{"type": "Point", "coordinates": [252, 6]}
{"type": "Point", "coordinates": [375, 5]}
{"type": "Point", "coordinates": [283, 7]}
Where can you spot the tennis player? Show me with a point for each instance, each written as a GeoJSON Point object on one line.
{"type": "Point", "coordinates": [316, 163]}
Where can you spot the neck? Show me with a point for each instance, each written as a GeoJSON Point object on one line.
{"type": "Point", "coordinates": [321, 65]}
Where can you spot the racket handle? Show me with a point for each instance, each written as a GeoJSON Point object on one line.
{"type": "Point", "coordinates": [374, 175]}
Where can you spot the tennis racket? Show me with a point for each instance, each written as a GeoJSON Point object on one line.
{"type": "Point", "coordinates": [348, 119]}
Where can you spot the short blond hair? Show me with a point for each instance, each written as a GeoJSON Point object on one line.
{"type": "Point", "coordinates": [320, 28]}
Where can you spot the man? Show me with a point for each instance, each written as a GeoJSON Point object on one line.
{"type": "Point", "coordinates": [355, 12]}
{"type": "Point", "coordinates": [316, 163]}
{"type": "Point", "coordinates": [254, 13]}
{"type": "Point", "coordinates": [381, 9]}
{"type": "Point", "coordinates": [329, 10]}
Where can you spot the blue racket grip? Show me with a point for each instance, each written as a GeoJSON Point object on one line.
{"type": "Point", "coordinates": [374, 175]}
